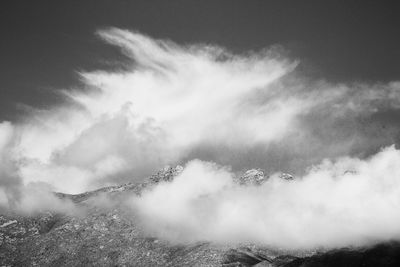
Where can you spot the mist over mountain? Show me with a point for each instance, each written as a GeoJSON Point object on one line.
{"type": "Point", "coordinates": [327, 167]}
{"type": "Point", "coordinates": [102, 228]}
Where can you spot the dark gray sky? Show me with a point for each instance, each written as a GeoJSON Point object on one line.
{"type": "Point", "coordinates": [43, 43]}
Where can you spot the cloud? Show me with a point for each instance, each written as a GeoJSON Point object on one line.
{"type": "Point", "coordinates": [38, 197]}
{"type": "Point", "coordinates": [174, 103]}
{"type": "Point", "coordinates": [336, 203]}
{"type": "Point", "coordinates": [14, 194]}
{"type": "Point", "coordinates": [136, 121]}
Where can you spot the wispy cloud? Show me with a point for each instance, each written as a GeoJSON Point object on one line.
{"type": "Point", "coordinates": [175, 103]}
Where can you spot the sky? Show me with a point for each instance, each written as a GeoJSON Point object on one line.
{"type": "Point", "coordinates": [100, 93]}
{"type": "Point", "coordinates": [44, 44]}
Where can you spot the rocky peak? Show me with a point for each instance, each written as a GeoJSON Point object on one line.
{"type": "Point", "coordinates": [286, 176]}
{"type": "Point", "coordinates": [258, 176]}
{"type": "Point", "coordinates": [252, 177]}
{"type": "Point", "coordinates": [166, 174]}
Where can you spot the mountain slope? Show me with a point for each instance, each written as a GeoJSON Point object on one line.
{"type": "Point", "coordinates": [105, 232]}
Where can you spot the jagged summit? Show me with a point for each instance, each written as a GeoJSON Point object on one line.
{"type": "Point", "coordinates": [252, 177]}
{"type": "Point", "coordinates": [286, 176]}
{"type": "Point", "coordinates": [166, 174]}
{"type": "Point", "coordinates": [258, 177]}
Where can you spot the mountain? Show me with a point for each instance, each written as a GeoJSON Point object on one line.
{"type": "Point", "coordinates": [105, 233]}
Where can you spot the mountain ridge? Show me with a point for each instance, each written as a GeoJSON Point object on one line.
{"type": "Point", "coordinates": [111, 236]}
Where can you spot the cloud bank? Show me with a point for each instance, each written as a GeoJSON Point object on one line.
{"type": "Point", "coordinates": [175, 103]}
{"type": "Point", "coordinates": [345, 202]}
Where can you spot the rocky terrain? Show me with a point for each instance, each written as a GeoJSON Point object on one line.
{"type": "Point", "coordinates": [107, 235]}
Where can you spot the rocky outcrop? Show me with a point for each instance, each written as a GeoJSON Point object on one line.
{"type": "Point", "coordinates": [252, 177]}
{"type": "Point", "coordinates": [258, 177]}
{"type": "Point", "coordinates": [245, 257]}
{"type": "Point", "coordinates": [166, 174]}
{"type": "Point", "coordinates": [286, 176]}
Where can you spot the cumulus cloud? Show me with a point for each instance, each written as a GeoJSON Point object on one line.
{"type": "Point", "coordinates": [337, 203]}
{"type": "Point", "coordinates": [170, 100]}
{"type": "Point", "coordinates": [15, 193]}
{"type": "Point", "coordinates": [173, 103]}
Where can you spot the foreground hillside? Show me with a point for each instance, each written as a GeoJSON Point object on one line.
{"type": "Point", "coordinates": [104, 232]}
